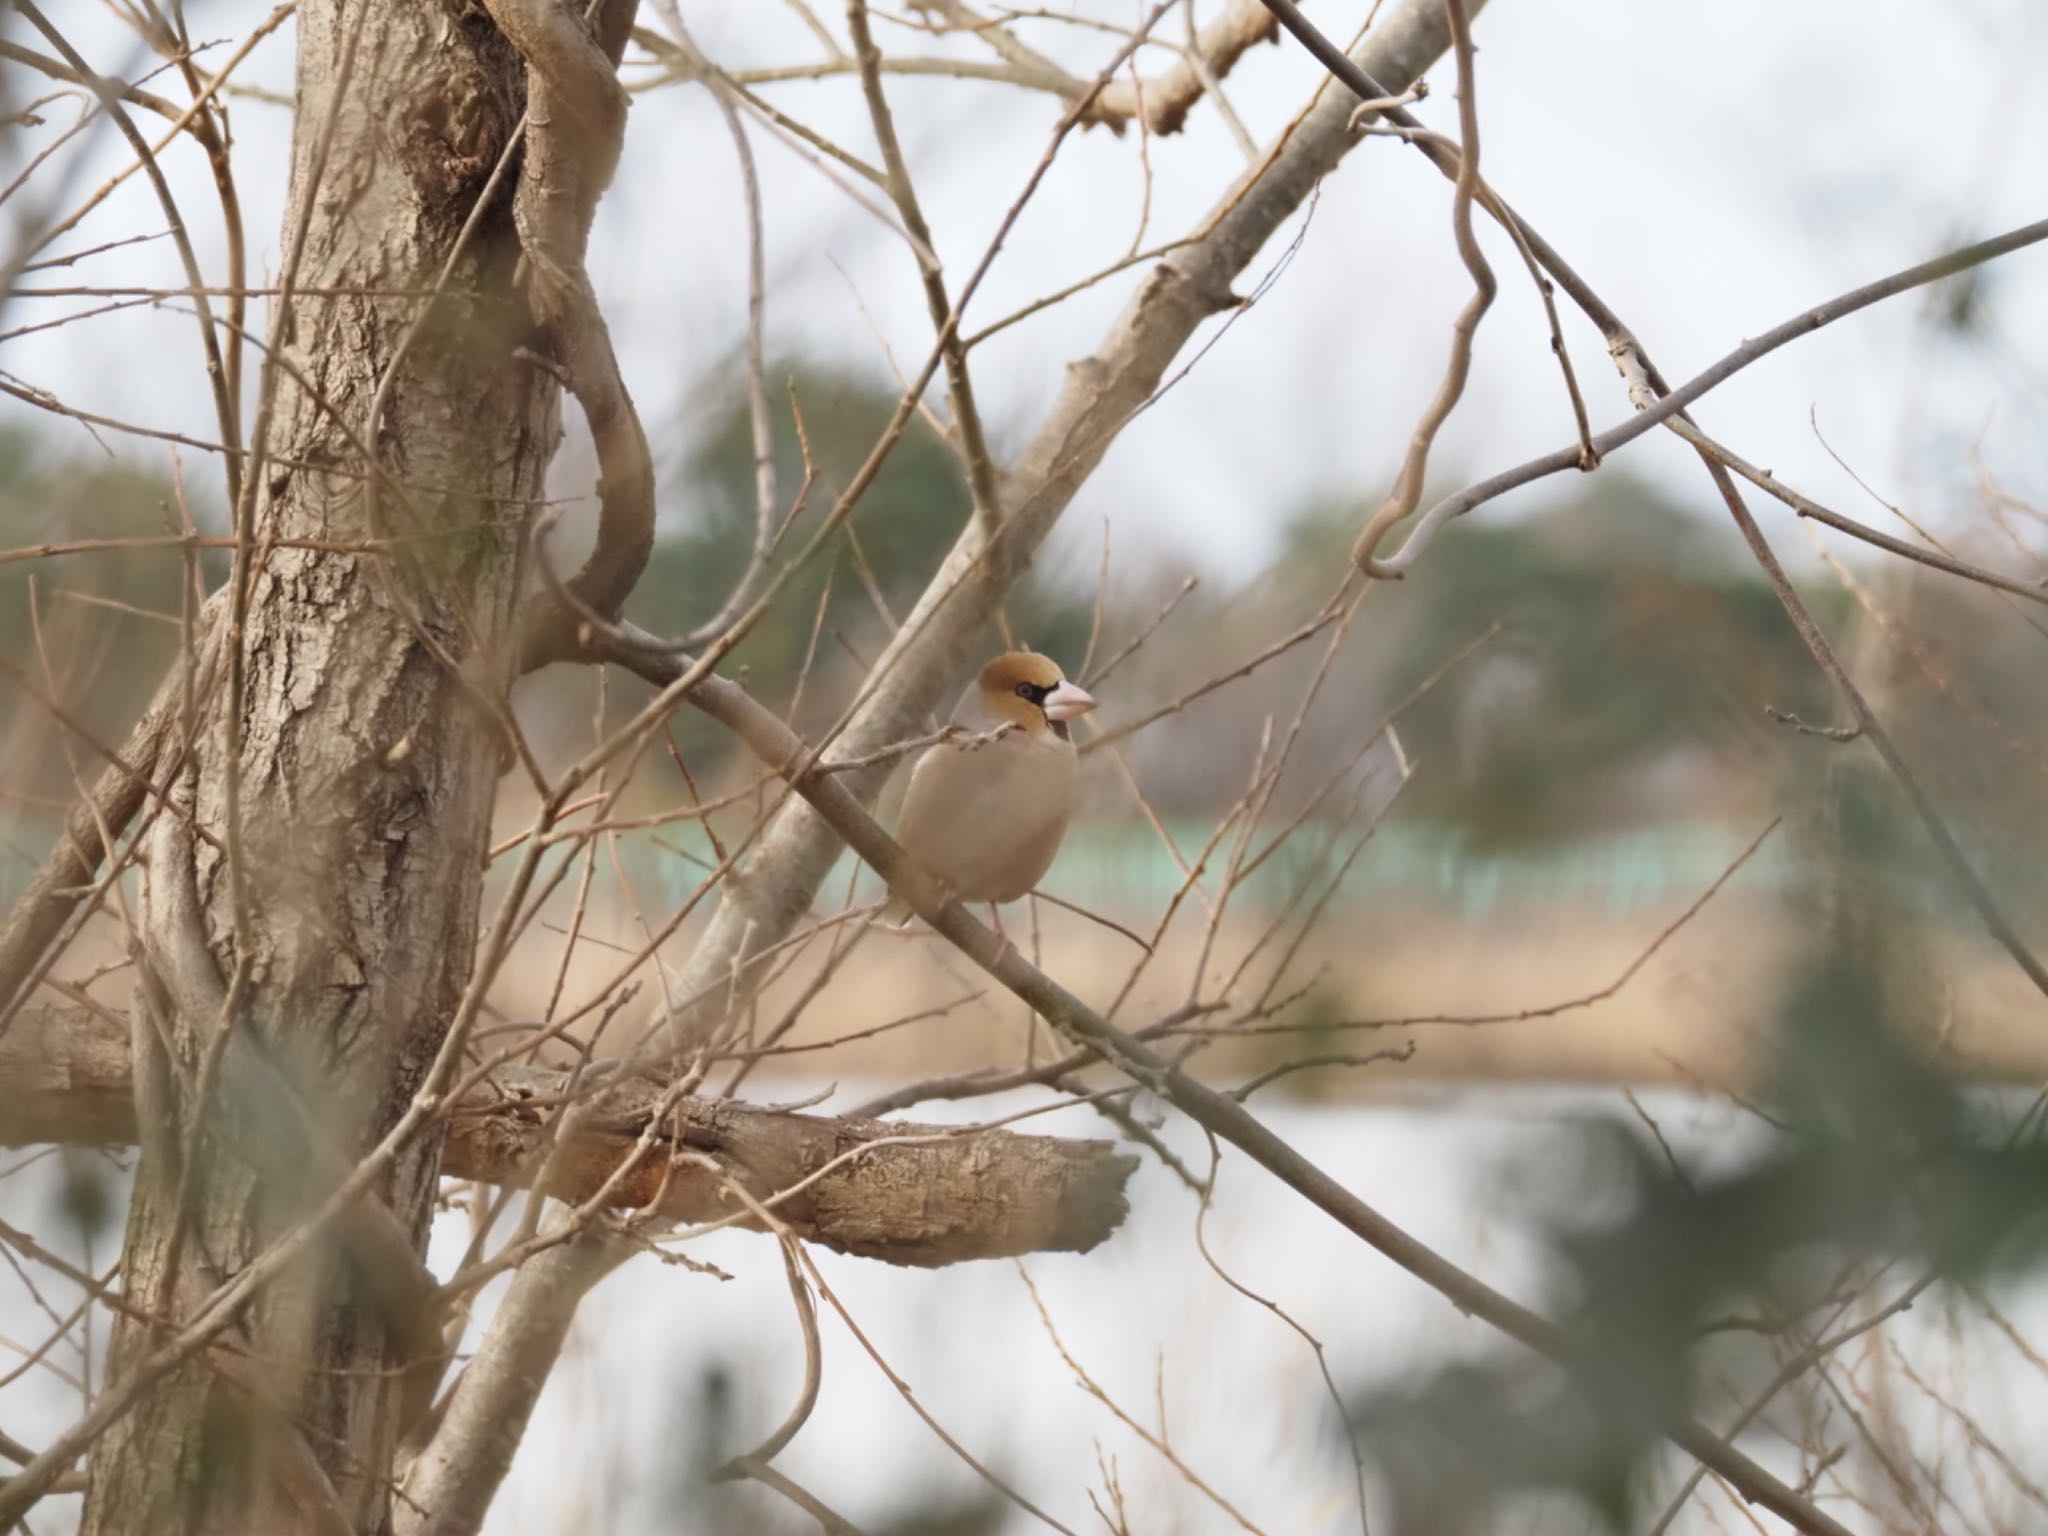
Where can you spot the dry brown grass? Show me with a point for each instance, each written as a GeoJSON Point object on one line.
{"type": "Point", "coordinates": [1503, 998]}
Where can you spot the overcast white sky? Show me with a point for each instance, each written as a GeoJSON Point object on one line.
{"type": "Point", "coordinates": [1710, 169]}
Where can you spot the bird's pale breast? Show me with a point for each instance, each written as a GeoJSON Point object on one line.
{"type": "Point", "coordinates": [988, 819]}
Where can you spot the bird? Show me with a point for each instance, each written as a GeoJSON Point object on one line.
{"type": "Point", "coordinates": [987, 807]}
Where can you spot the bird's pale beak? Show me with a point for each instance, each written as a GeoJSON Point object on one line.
{"type": "Point", "coordinates": [1066, 701]}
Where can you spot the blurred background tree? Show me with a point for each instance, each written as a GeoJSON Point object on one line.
{"type": "Point", "coordinates": [101, 619]}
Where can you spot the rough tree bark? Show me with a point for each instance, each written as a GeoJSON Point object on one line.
{"type": "Point", "coordinates": [339, 945]}
{"type": "Point", "coordinates": [916, 1194]}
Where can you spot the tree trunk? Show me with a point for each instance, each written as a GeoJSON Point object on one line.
{"type": "Point", "coordinates": [366, 772]}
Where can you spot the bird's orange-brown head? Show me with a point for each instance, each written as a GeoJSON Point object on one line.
{"type": "Point", "coordinates": [1027, 689]}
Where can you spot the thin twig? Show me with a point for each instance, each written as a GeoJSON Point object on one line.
{"type": "Point", "coordinates": [1407, 491]}
{"type": "Point", "coordinates": [1670, 404]}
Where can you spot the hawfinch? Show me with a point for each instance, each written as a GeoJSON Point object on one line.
{"type": "Point", "coordinates": [985, 816]}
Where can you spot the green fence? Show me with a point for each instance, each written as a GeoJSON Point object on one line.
{"type": "Point", "coordinates": [1123, 867]}
{"type": "Point", "coordinates": [1126, 868]}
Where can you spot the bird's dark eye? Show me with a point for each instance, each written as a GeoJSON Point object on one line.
{"type": "Point", "coordinates": [1030, 691]}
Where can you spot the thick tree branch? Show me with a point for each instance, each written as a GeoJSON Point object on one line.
{"type": "Point", "coordinates": [1166, 99]}
{"type": "Point", "coordinates": [575, 128]}
{"type": "Point", "coordinates": [450, 1487]}
{"type": "Point", "coordinates": [921, 1195]}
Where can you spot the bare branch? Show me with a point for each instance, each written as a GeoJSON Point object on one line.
{"type": "Point", "coordinates": [1670, 404]}
{"type": "Point", "coordinates": [1101, 395]}
{"type": "Point", "coordinates": [44, 910]}
{"type": "Point", "coordinates": [1407, 491]}
{"type": "Point", "coordinates": [918, 1195]}
{"type": "Point", "coordinates": [1641, 378]}
{"type": "Point", "coordinates": [1166, 99]}
{"type": "Point", "coordinates": [451, 1485]}
{"type": "Point", "coordinates": [576, 125]}
{"type": "Point", "coordinates": [981, 471]}
{"type": "Point", "coordinates": [779, 747]}
{"type": "Point", "coordinates": [226, 409]}
{"type": "Point", "coordinates": [1646, 385]}
{"type": "Point", "coordinates": [1806, 506]}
